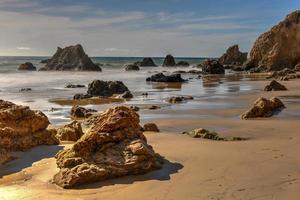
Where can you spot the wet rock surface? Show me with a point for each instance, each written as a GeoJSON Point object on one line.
{"type": "Point", "coordinates": [274, 86]}
{"type": "Point", "coordinates": [113, 146]}
{"type": "Point", "coordinates": [212, 67]}
{"type": "Point", "coordinates": [106, 88]}
{"type": "Point", "coordinates": [160, 77]}
{"type": "Point", "coordinates": [28, 66]}
{"type": "Point", "coordinates": [264, 108]}
{"type": "Point", "coordinates": [169, 61]}
{"type": "Point", "coordinates": [146, 62]}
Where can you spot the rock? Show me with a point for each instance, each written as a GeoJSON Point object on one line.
{"type": "Point", "coordinates": [27, 66]}
{"type": "Point", "coordinates": [263, 108]}
{"type": "Point", "coordinates": [135, 108]}
{"type": "Point", "coordinates": [278, 48]}
{"type": "Point", "coordinates": [131, 67]}
{"type": "Point", "coordinates": [297, 67]}
{"type": "Point", "coordinates": [74, 86]}
{"type": "Point", "coordinates": [169, 61]}
{"type": "Point", "coordinates": [257, 70]}
{"type": "Point", "coordinates": [106, 88]}
{"type": "Point", "coordinates": [25, 90]}
{"type": "Point", "coordinates": [71, 58]}
{"type": "Point", "coordinates": [275, 86]}
{"type": "Point", "coordinates": [113, 146]}
{"type": "Point", "coordinates": [150, 127]}
{"type": "Point", "coordinates": [154, 107]}
{"type": "Point", "coordinates": [81, 112]}
{"type": "Point", "coordinates": [179, 99]}
{"type": "Point", "coordinates": [22, 128]}
{"type": "Point", "coordinates": [281, 73]}
{"type": "Point", "coordinates": [44, 61]}
{"type": "Point", "coordinates": [211, 135]}
{"type": "Point", "coordinates": [82, 96]}
{"type": "Point", "coordinates": [70, 132]}
{"type": "Point", "coordinates": [233, 56]}
{"type": "Point", "coordinates": [237, 68]}
{"type": "Point", "coordinates": [182, 64]}
{"type": "Point", "coordinates": [125, 95]}
{"type": "Point", "coordinates": [146, 62]}
{"type": "Point", "coordinates": [160, 77]}
{"type": "Point", "coordinates": [212, 67]}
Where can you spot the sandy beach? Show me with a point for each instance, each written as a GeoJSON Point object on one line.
{"type": "Point", "coordinates": [266, 166]}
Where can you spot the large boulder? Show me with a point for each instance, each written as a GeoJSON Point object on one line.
{"type": "Point", "coordinates": [274, 86]}
{"type": "Point", "coordinates": [22, 128]}
{"type": "Point", "coordinates": [169, 61]}
{"type": "Point", "coordinates": [264, 108]}
{"type": "Point", "coordinates": [212, 67]}
{"type": "Point", "coordinates": [160, 77]}
{"type": "Point", "coordinates": [279, 47]}
{"type": "Point", "coordinates": [106, 88]}
{"type": "Point", "coordinates": [233, 56]}
{"type": "Point", "coordinates": [70, 132]}
{"type": "Point", "coordinates": [71, 58]}
{"type": "Point", "coordinates": [113, 146]}
{"type": "Point", "coordinates": [146, 62]}
{"type": "Point", "coordinates": [27, 66]}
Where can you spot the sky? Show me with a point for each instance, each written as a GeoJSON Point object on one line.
{"type": "Point", "coordinates": [193, 28]}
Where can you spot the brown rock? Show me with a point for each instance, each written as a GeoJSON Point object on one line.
{"type": "Point", "coordinates": [70, 132]}
{"type": "Point", "coordinates": [275, 86]}
{"type": "Point", "coordinates": [179, 99]}
{"type": "Point", "coordinates": [113, 146]}
{"type": "Point", "coordinates": [263, 108]}
{"type": "Point", "coordinates": [22, 128]}
{"type": "Point", "coordinates": [80, 112]}
{"type": "Point", "coordinates": [278, 48]}
{"type": "Point", "coordinates": [212, 67]}
{"type": "Point", "coordinates": [233, 56]}
{"type": "Point", "coordinates": [150, 127]}
{"type": "Point", "coordinates": [27, 66]}
{"type": "Point", "coordinates": [71, 58]}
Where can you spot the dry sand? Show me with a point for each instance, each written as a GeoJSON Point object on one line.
{"type": "Point", "coordinates": [265, 167]}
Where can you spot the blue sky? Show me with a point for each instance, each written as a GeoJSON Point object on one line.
{"type": "Point", "coordinates": [137, 27]}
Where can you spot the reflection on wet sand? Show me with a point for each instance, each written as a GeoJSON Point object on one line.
{"type": "Point", "coordinates": [82, 102]}
{"type": "Point", "coordinates": [162, 86]}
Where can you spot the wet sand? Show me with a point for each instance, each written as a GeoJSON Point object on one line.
{"type": "Point", "coordinates": [267, 166]}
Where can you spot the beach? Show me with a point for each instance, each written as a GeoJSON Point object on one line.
{"type": "Point", "coordinates": [265, 166]}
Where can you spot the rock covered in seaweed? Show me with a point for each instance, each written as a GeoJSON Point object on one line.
{"type": "Point", "coordinates": [264, 108]}
{"type": "Point", "coordinates": [71, 58]}
{"type": "Point", "coordinates": [113, 146]}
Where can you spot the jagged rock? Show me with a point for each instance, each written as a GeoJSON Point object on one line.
{"type": "Point", "coordinates": [150, 127]}
{"type": "Point", "coordinates": [106, 88]}
{"type": "Point", "coordinates": [297, 67]}
{"type": "Point", "coordinates": [71, 58]}
{"type": "Point", "coordinates": [264, 108]}
{"type": "Point", "coordinates": [183, 64]}
{"type": "Point", "coordinates": [278, 48]}
{"type": "Point", "coordinates": [27, 66]}
{"type": "Point", "coordinates": [160, 77]}
{"type": "Point", "coordinates": [113, 146]}
{"type": "Point", "coordinates": [146, 62]}
{"type": "Point", "coordinates": [233, 56]}
{"type": "Point", "coordinates": [70, 132]}
{"type": "Point", "coordinates": [22, 128]}
{"type": "Point", "coordinates": [74, 86]}
{"type": "Point", "coordinates": [131, 67]}
{"type": "Point", "coordinates": [274, 86]}
{"type": "Point", "coordinates": [25, 90]}
{"type": "Point", "coordinates": [80, 112]}
{"type": "Point", "coordinates": [169, 61]}
{"type": "Point", "coordinates": [179, 99]}
{"type": "Point", "coordinates": [212, 67]}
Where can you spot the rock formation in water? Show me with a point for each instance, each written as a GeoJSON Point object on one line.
{"type": "Point", "coordinates": [106, 88]}
{"type": "Point", "coordinates": [113, 146]}
{"type": "Point", "coordinates": [182, 64]}
{"type": "Point", "coordinates": [169, 61]}
{"type": "Point", "coordinates": [264, 108]}
{"type": "Point", "coordinates": [78, 112]}
{"type": "Point", "coordinates": [274, 86]}
{"type": "Point", "coordinates": [160, 77]}
{"type": "Point", "coordinates": [179, 99]}
{"type": "Point", "coordinates": [71, 58]}
{"type": "Point", "coordinates": [279, 47]}
{"type": "Point", "coordinates": [233, 56]}
{"type": "Point", "coordinates": [212, 67]}
{"type": "Point", "coordinates": [27, 66]}
{"type": "Point", "coordinates": [131, 67]}
{"type": "Point", "coordinates": [70, 132]}
{"type": "Point", "coordinates": [22, 128]}
{"type": "Point", "coordinates": [146, 62]}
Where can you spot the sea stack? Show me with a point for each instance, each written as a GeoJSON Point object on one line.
{"type": "Point", "coordinates": [233, 56]}
{"type": "Point", "coordinates": [169, 61]}
{"type": "Point", "coordinates": [279, 47]}
{"type": "Point", "coordinates": [71, 58]}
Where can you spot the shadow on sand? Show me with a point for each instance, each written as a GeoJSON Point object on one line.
{"type": "Point", "coordinates": [162, 174]}
{"type": "Point", "coordinates": [28, 158]}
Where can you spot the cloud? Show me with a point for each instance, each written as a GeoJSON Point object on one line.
{"type": "Point", "coordinates": [23, 48]}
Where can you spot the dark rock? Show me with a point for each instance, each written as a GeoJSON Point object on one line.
{"type": "Point", "coordinates": [81, 112]}
{"type": "Point", "coordinates": [154, 107]}
{"type": "Point", "coordinates": [183, 64]}
{"type": "Point", "coordinates": [25, 90]}
{"type": "Point", "coordinates": [74, 86]}
{"type": "Point", "coordinates": [233, 56]}
{"type": "Point", "coordinates": [126, 95]}
{"type": "Point", "coordinates": [169, 61]}
{"type": "Point", "coordinates": [135, 108]}
{"type": "Point", "coordinates": [81, 96]}
{"type": "Point", "coordinates": [237, 68]}
{"type": "Point", "coordinates": [106, 88]}
{"type": "Point", "coordinates": [297, 67]}
{"type": "Point", "coordinates": [146, 62]}
{"type": "Point", "coordinates": [212, 67]}
{"type": "Point", "coordinates": [44, 61]}
{"type": "Point", "coordinates": [27, 66]}
{"type": "Point", "coordinates": [275, 86]}
{"type": "Point", "coordinates": [72, 58]}
{"type": "Point", "coordinates": [160, 77]}
{"type": "Point", "coordinates": [131, 67]}
{"type": "Point", "coordinates": [150, 127]}
{"type": "Point", "coordinates": [179, 99]}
